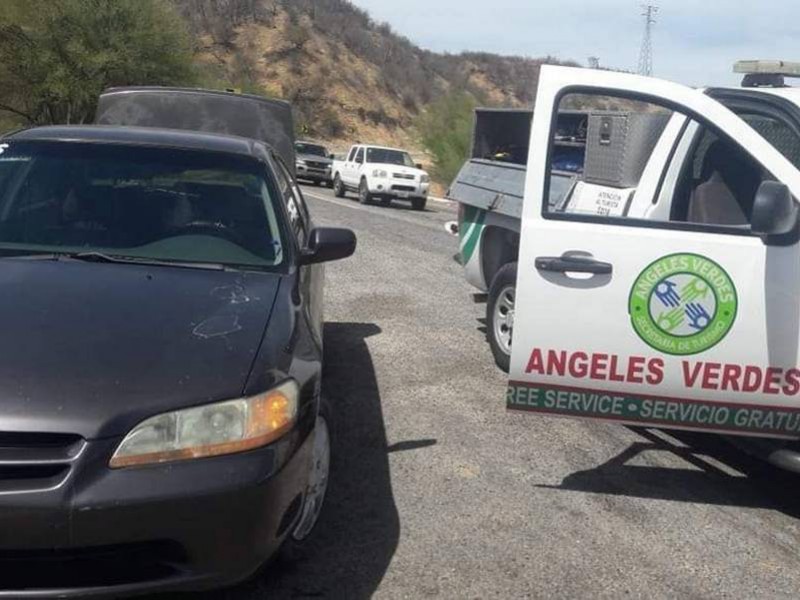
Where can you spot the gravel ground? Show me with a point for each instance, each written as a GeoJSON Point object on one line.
{"type": "Point", "coordinates": [437, 491]}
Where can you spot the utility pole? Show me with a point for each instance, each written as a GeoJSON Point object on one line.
{"type": "Point", "coordinates": [649, 12]}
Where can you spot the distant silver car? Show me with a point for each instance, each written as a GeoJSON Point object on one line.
{"type": "Point", "coordinates": [313, 163]}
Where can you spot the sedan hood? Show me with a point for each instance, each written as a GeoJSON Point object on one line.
{"type": "Point", "coordinates": [93, 348]}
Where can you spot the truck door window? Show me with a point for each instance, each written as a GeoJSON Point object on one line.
{"type": "Point", "coordinates": [360, 156]}
{"type": "Point", "coordinates": [627, 148]}
{"type": "Point", "coordinates": [351, 155]}
{"type": "Point", "coordinates": [778, 133]}
{"type": "Point", "coordinates": [719, 184]}
{"type": "Point", "coordinates": [605, 144]}
{"type": "Point", "coordinates": [723, 169]}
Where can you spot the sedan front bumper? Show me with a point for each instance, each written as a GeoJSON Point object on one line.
{"type": "Point", "coordinates": [185, 526]}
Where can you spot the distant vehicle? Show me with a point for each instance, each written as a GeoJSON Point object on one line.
{"type": "Point", "coordinates": [384, 174]}
{"type": "Point", "coordinates": [314, 163]}
{"type": "Point", "coordinates": [163, 426]}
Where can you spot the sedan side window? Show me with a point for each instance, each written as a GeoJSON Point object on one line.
{"type": "Point", "coordinates": [297, 214]}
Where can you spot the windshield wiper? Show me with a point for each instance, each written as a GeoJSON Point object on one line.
{"type": "Point", "coordinates": [102, 257]}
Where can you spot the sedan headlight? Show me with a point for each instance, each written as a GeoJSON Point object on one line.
{"type": "Point", "coordinates": [381, 174]}
{"type": "Point", "coordinates": [212, 430]}
{"type": "Point", "coordinates": [425, 178]}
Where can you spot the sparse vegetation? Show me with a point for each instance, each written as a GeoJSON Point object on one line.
{"type": "Point", "coordinates": [347, 76]}
{"type": "Point", "coordinates": [397, 87]}
{"type": "Point", "coordinates": [56, 57]}
{"type": "Point", "coordinates": [445, 129]}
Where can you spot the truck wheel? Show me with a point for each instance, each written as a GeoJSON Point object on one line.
{"type": "Point", "coordinates": [419, 203]}
{"type": "Point", "coordinates": [338, 187]}
{"type": "Point", "coordinates": [364, 197]}
{"type": "Point", "coordinates": [500, 314]}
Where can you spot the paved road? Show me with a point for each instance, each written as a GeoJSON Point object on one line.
{"type": "Point", "coordinates": [438, 492]}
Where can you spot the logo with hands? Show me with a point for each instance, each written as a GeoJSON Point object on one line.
{"type": "Point", "coordinates": [665, 292]}
{"type": "Point", "coordinates": [683, 304]}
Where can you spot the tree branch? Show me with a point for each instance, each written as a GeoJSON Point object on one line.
{"type": "Point", "coordinates": [19, 113]}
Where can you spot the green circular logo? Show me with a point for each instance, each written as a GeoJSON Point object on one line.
{"type": "Point", "coordinates": [683, 304]}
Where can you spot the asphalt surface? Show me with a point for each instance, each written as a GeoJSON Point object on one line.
{"type": "Point", "coordinates": [437, 491]}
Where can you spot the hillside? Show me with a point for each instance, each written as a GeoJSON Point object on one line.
{"type": "Point", "coordinates": [348, 77]}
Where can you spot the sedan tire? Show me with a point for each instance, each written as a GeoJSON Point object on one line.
{"type": "Point", "coordinates": [295, 546]}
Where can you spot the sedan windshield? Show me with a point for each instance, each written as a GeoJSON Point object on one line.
{"type": "Point", "coordinates": [312, 149]}
{"type": "Point", "coordinates": [137, 202]}
{"type": "Point", "coordinates": [389, 157]}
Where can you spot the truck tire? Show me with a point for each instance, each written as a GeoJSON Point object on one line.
{"type": "Point", "coordinates": [364, 197]}
{"type": "Point", "coordinates": [338, 187]}
{"type": "Point", "coordinates": [419, 203]}
{"type": "Point", "coordinates": [500, 314]}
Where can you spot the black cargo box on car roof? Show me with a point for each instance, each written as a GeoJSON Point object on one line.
{"type": "Point", "coordinates": [210, 111]}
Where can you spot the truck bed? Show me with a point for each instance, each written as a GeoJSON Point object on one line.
{"type": "Point", "coordinates": [490, 185]}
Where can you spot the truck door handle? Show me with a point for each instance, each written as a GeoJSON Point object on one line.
{"type": "Point", "coordinates": [573, 264]}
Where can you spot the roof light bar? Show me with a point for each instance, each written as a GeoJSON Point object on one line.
{"type": "Point", "coordinates": [767, 67]}
{"type": "Point", "coordinates": [766, 73]}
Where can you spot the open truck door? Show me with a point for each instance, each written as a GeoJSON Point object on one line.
{"type": "Point", "coordinates": [678, 305]}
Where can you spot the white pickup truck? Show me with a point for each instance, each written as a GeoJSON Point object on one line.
{"type": "Point", "coordinates": [608, 175]}
{"type": "Point", "coordinates": [384, 174]}
{"type": "Point", "coordinates": [672, 298]}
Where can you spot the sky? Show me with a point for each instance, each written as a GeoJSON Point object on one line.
{"type": "Point", "coordinates": [695, 42]}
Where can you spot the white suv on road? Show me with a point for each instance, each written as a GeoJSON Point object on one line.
{"type": "Point", "coordinates": [379, 173]}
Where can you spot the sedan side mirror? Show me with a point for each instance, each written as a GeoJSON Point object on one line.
{"type": "Point", "coordinates": [328, 243]}
{"type": "Point", "coordinates": [775, 212]}
{"type": "Point", "coordinates": [332, 156]}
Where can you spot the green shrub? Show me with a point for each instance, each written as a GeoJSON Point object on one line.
{"type": "Point", "coordinates": [57, 57]}
{"type": "Point", "coordinates": [445, 129]}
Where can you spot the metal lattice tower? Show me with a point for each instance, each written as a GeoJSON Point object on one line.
{"type": "Point", "coordinates": [646, 54]}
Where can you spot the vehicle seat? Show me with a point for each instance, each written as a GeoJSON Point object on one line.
{"type": "Point", "coordinates": [730, 180]}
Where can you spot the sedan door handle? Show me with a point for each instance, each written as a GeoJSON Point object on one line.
{"type": "Point", "coordinates": [573, 264]}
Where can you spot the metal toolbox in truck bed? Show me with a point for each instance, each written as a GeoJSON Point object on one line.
{"type": "Point", "coordinates": [618, 146]}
